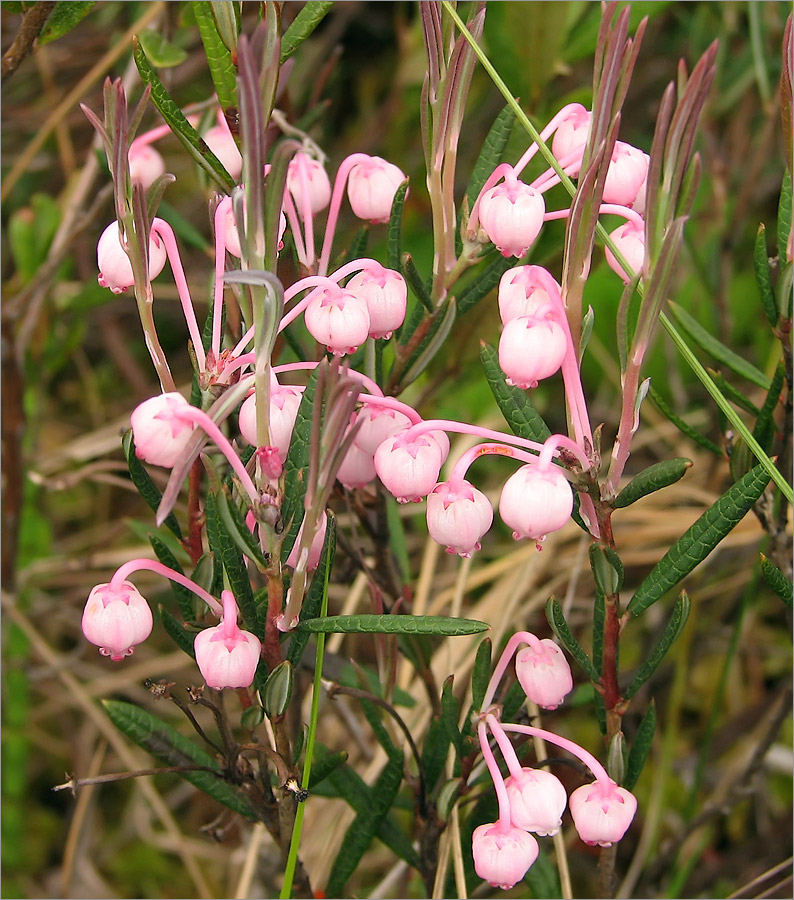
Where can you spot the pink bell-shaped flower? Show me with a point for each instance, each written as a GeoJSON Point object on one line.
{"type": "Point", "coordinates": [116, 618]}
{"type": "Point", "coordinates": [314, 177]}
{"type": "Point", "coordinates": [385, 293]}
{"type": "Point", "coordinates": [502, 856]}
{"type": "Point", "coordinates": [231, 234]}
{"type": "Point", "coordinates": [115, 268]}
{"type": "Point", "coordinates": [520, 293]}
{"type": "Point", "coordinates": [571, 135]}
{"type": "Point", "coordinates": [284, 403]}
{"type": "Point", "coordinates": [357, 468]}
{"type": "Point", "coordinates": [337, 318]}
{"type": "Point", "coordinates": [458, 516]}
{"type": "Point", "coordinates": [377, 424]}
{"type": "Point", "coordinates": [512, 215]}
{"type": "Point", "coordinates": [535, 502]}
{"type": "Point", "coordinates": [227, 656]}
{"type": "Point", "coordinates": [220, 140]}
{"type": "Point", "coordinates": [602, 812]}
{"type": "Point", "coordinates": [146, 164]}
{"type": "Point", "coordinates": [626, 175]}
{"type": "Point", "coordinates": [544, 674]}
{"type": "Point", "coordinates": [531, 349]}
{"type": "Point", "coordinates": [537, 801]}
{"type": "Point", "coordinates": [159, 433]}
{"type": "Point", "coordinates": [315, 550]}
{"type": "Point", "coordinates": [371, 186]}
{"type": "Point", "coordinates": [409, 466]}
{"type": "Point", "coordinates": [630, 240]}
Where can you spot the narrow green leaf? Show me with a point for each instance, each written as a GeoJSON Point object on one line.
{"type": "Point", "coordinates": [763, 276]}
{"type": "Point", "coordinates": [185, 598]}
{"type": "Point", "coordinates": [640, 747]}
{"type": "Point", "coordinates": [491, 153]}
{"type": "Point", "coordinates": [483, 283]}
{"type": "Point", "coordinates": [607, 569]}
{"type": "Point", "coordinates": [522, 417]}
{"type": "Point", "coordinates": [654, 478]}
{"type": "Point", "coordinates": [175, 630]}
{"type": "Point", "coordinates": [415, 282]}
{"type": "Point", "coordinates": [561, 629]}
{"type": "Point", "coordinates": [66, 15]}
{"type": "Point", "coordinates": [394, 228]}
{"type": "Point", "coordinates": [184, 131]}
{"type": "Point", "coordinates": [310, 16]}
{"type": "Point", "coordinates": [661, 404]}
{"type": "Point", "coordinates": [160, 52]}
{"type": "Point", "coordinates": [733, 394]}
{"type": "Point", "coordinates": [373, 624]}
{"type": "Point", "coordinates": [784, 215]}
{"type": "Point", "coordinates": [434, 752]}
{"type": "Point", "coordinates": [450, 714]}
{"type": "Point", "coordinates": [675, 626]}
{"type": "Point", "coordinates": [219, 59]}
{"type": "Point", "coordinates": [144, 484]}
{"type": "Point", "coordinates": [543, 878]}
{"type": "Point", "coordinates": [599, 617]}
{"type": "Point", "coordinates": [764, 430]}
{"type": "Point", "coordinates": [277, 690]}
{"type": "Point", "coordinates": [781, 585]}
{"type": "Point", "coordinates": [237, 529]}
{"type": "Point", "coordinates": [437, 333]}
{"type": "Point", "coordinates": [324, 764]}
{"type": "Point", "coordinates": [716, 348]}
{"type": "Point", "coordinates": [481, 673]}
{"type": "Point", "coordinates": [168, 745]}
{"type": "Point", "coordinates": [296, 468]}
{"type": "Point", "coordinates": [699, 540]}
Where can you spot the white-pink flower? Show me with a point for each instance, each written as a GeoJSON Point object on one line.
{"type": "Point", "coordinates": [371, 186]}
{"type": "Point", "coordinates": [305, 170]}
{"type": "Point", "coordinates": [535, 502]}
{"type": "Point", "coordinates": [511, 214]}
{"type": "Point", "coordinates": [409, 466]}
{"type": "Point", "coordinates": [116, 618]}
{"type": "Point", "coordinates": [226, 655]}
{"type": "Point", "coordinates": [531, 349]}
{"type": "Point", "coordinates": [458, 516]}
{"type": "Point", "coordinates": [520, 293]}
{"type": "Point", "coordinates": [146, 164]}
{"type": "Point", "coordinates": [284, 403]}
{"type": "Point", "coordinates": [221, 141]}
{"type": "Point", "coordinates": [544, 674]}
{"type": "Point", "coordinates": [115, 268]}
{"type": "Point", "coordinates": [537, 801]}
{"type": "Point", "coordinates": [159, 433]}
{"type": "Point", "coordinates": [502, 855]}
{"type": "Point", "coordinates": [337, 318]}
{"type": "Point", "coordinates": [629, 238]}
{"type": "Point", "coordinates": [602, 812]}
{"type": "Point", "coordinates": [626, 175]}
{"type": "Point", "coordinates": [386, 295]}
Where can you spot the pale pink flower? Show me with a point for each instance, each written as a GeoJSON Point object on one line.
{"type": "Point", "coordinates": [115, 268]}
{"type": "Point", "coordinates": [385, 293]}
{"type": "Point", "coordinates": [357, 468]}
{"type": "Point", "coordinates": [377, 424]}
{"type": "Point", "coordinates": [284, 403]}
{"type": "Point", "coordinates": [337, 318]}
{"type": "Point", "coordinates": [146, 164]}
{"type": "Point", "coordinates": [371, 186]}
{"type": "Point", "coordinates": [630, 240]}
{"type": "Point", "coordinates": [502, 856]}
{"type": "Point", "coordinates": [626, 175]}
{"type": "Point", "coordinates": [531, 349]}
{"type": "Point", "coordinates": [511, 214]}
{"type": "Point", "coordinates": [159, 433]}
{"type": "Point", "coordinates": [534, 502]}
{"type": "Point", "coordinates": [602, 812]}
{"type": "Point", "coordinates": [544, 674]}
{"type": "Point", "coordinates": [520, 293]}
{"type": "Point", "coordinates": [116, 618]}
{"type": "Point", "coordinates": [409, 467]}
{"type": "Point", "coordinates": [227, 656]}
{"type": "Point", "coordinates": [458, 516]}
{"type": "Point", "coordinates": [221, 141]}
{"type": "Point", "coordinates": [571, 135]}
{"type": "Point", "coordinates": [537, 801]}
{"type": "Point", "coordinates": [316, 180]}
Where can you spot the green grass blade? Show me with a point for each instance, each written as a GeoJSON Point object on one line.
{"type": "Point", "coordinates": [373, 624]}
{"type": "Point", "coordinates": [654, 478]}
{"type": "Point", "coordinates": [675, 626]}
{"type": "Point", "coordinates": [481, 673]}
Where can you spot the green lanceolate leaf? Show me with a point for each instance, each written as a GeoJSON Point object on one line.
{"type": "Point", "coordinates": [434, 753]}
{"type": "Point", "coordinates": [716, 348]}
{"type": "Point", "coordinates": [763, 276]}
{"type": "Point", "coordinates": [64, 17]}
{"type": "Point", "coordinates": [483, 283]}
{"type": "Point", "coordinates": [674, 628]}
{"type": "Point", "coordinates": [184, 597]}
{"type": "Point", "coordinates": [415, 281]}
{"type": "Point", "coordinates": [236, 528]}
{"type": "Point", "coordinates": [522, 417]}
{"type": "Point", "coordinates": [764, 430]}
{"type": "Point", "coordinates": [159, 51]}
{"type": "Point", "coordinates": [654, 478]}
{"type": "Point", "coordinates": [607, 569]}
{"type": "Point", "coordinates": [599, 617]}
{"type": "Point", "coordinates": [185, 132]}
{"type": "Point", "coordinates": [178, 634]}
{"type": "Point", "coordinates": [440, 326]}
{"type": "Point", "coordinates": [561, 629]}
{"type": "Point", "coordinates": [168, 745]}
{"type": "Point", "coordinates": [784, 215]}
{"type": "Point", "coordinates": [491, 153]}
{"type": "Point", "coordinates": [296, 469]}
{"type": "Point", "coordinates": [733, 394]}
{"type": "Point", "coordinates": [664, 408]}
{"type": "Point", "coordinates": [310, 16]}
{"type": "Point", "coordinates": [781, 585]}
{"type": "Point", "coordinates": [640, 747]}
{"type": "Point", "coordinates": [450, 714]}
{"type": "Point", "coordinates": [144, 484]}
{"type": "Point", "coordinates": [324, 764]}
{"type": "Point", "coordinates": [372, 624]}
{"type": "Point", "coordinates": [481, 673]}
{"type": "Point", "coordinates": [219, 59]}
{"type": "Point", "coordinates": [394, 229]}
{"type": "Point", "coordinates": [699, 540]}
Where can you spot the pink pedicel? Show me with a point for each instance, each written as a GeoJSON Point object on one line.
{"type": "Point", "coordinates": [544, 674]}
{"type": "Point", "coordinates": [409, 466]}
{"type": "Point", "coordinates": [531, 349]}
{"type": "Point", "coordinates": [231, 234]}
{"type": "Point", "coordinates": [502, 854]}
{"type": "Point", "coordinates": [284, 403]}
{"type": "Point", "coordinates": [537, 801]}
{"type": "Point", "coordinates": [220, 140]}
{"type": "Point", "coordinates": [458, 516]}
{"type": "Point", "coordinates": [520, 293]}
{"type": "Point", "coordinates": [116, 618]}
{"type": "Point", "coordinates": [571, 135]}
{"type": "Point", "coordinates": [115, 268]}
{"type": "Point", "coordinates": [511, 214]}
{"type": "Point", "coordinates": [159, 433]}
{"type": "Point", "coordinates": [386, 295]}
{"type": "Point", "coordinates": [534, 503]}
{"type": "Point", "coordinates": [629, 238]}
{"type": "Point", "coordinates": [602, 812]}
{"type": "Point", "coordinates": [378, 423]}
{"type": "Point", "coordinates": [146, 164]}
{"type": "Point", "coordinates": [227, 656]}
{"type": "Point", "coordinates": [371, 186]}
{"type": "Point", "coordinates": [303, 169]}
{"type": "Point", "coordinates": [337, 318]}
{"type": "Point", "coordinates": [626, 175]}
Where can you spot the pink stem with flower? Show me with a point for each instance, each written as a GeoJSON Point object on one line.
{"type": "Point", "coordinates": [136, 565]}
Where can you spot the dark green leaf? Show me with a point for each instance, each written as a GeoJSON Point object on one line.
{"type": "Point", "coordinates": [415, 282]}
{"type": "Point", "coordinates": [483, 283]}
{"type": "Point", "coordinates": [310, 16]}
{"type": "Point", "coordinates": [62, 20]}
{"type": "Point", "coordinates": [561, 629]}
{"type": "Point", "coordinates": [144, 484]}
{"type": "Point", "coordinates": [372, 624]}
{"type": "Point", "coordinates": [716, 348]}
{"type": "Point", "coordinates": [184, 596]}
{"type": "Point", "coordinates": [661, 404]}
{"type": "Point", "coordinates": [296, 468]}
{"type": "Point", "coordinates": [764, 430]}
{"type": "Point", "coordinates": [440, 325]}
{"type": "Point", "coordinates": [654, 478]}
{"type": "Point", "coordinates": [325, 764]}
{"type": "Point", "coordinates": [491, 153]}
{"type": "Point", "coordinates": [219, 59]}
{"type": "Point", "coordinates": [674, 628]}
{"type": "Point", "coordinates": [168, 745]}
{"type": "Point", "coordinates": [237, 529]}
{"type": "Point", "coordinates": [394, 229]}
{"type": "Point", "coordinates": [599, 616]}
{"type": "Point", "coordinates": [178, 634]}
{"type": "Point", "coordinates": [607, 569]}
{"type": "Point", "coordinates": [184, 131]}
{"type": "Point", "coordinates": [481, 673]}
{"type": "Point", "coordinates": [522, 417]}
{"type": "Point", "coordinates": [733, 394]}
{"type": "Point", "coordinates": [640, 747]}
{"type": "Point", "coordinates": [434, 753]}
{"type": "Point", "coordinates": [450, 714]}
{"type": "Point", "coordinates": [781, 585]}
{"type": "Point", "coordinates": [763, 276]}
{"type": "Point", "coordinates": [699, 540]}
{"type": "Point", "coordinates": [161, 53]}
{"type": "Point", "coordinates": [784, 215]}
{"type": "Point", "coordinates": [277, 690]}
{"type": "Point", "coordinates": [542, 877]}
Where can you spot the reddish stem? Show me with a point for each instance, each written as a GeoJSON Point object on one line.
{"type": "Point", "coordinates": [193, 542]}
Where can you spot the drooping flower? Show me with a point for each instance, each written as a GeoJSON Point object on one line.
{"type": "Point", "coordinates": [116, 618]}
{"type": "Point", "coordinates": [385, 293]}
{"type": "Point", "coordinates": [409, 465]}
{"type": "Point", "coordinates": [304, 169]}
{"type": "Point", "coordinates": [537, 801]}
{"type": "Point", "coordinates": [337, 318]}
{"type": "Point", "coordinates": [226, 655]}
{"type": "Point", "coordinates": [531, 349]}
{"type": "Point", "coordinates": [221, 141]}
{"type": "Point", "coordinates": [458, 516]}
{"type": "Point", "coordinates": [571, 135]}
{"type": "Point", "coordinates": [115, 268]}
{"type": "Point", "coordinates": [377, 424]}
{"type": "Point", "coordinates": [534, 502]}
{"type": "Point", "coordinates": [159, 433]}
{"type": "Point", "coordinates": [520, 294]}
{"type": "Point", "coordinates": [626, 174]}
{"type": "Point", "coordinates": [630, 240]}
{"type": "Point", "coordinates": [146, 164]}
{"type": "Point", "coordinates": [511, 214]}
{"type": "Point", "coordinates": [502, 856]}
{"type": "Point", "coordinates": [544, 674]}
{"type": "Point", "coordinates": [371, 186]}
{"type": "Point", "coordinates": [284, 403]}
{"type": "Point", "coordinates": [357, 468]}
{"type": "Point", "coordinates": [602, 812]}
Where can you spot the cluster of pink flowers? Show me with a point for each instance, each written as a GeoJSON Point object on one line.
{"type": "Point", "coordinates": [532, 800]}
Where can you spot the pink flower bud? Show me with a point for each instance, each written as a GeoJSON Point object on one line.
{"type": "Point", "coordinates": [627, 172]}
{"type": "Point", "coordinates": [116, 618]}
{"type": "Point", "coordinates": [357, 468]}
{"type": "Point", "coordinates": [572, 135]}
{"type": "Point", "coordinates": [315, 550]}
{"type": "Point", "coordinates": [115, 268]}
{"type": "Point", "coordinates": [602, 813]}
{"type": "Point", "coordinates": [337, 318]}
{"type": "Point", "coordinates": [231, 234]}
{"type": "Point", "coordinates": [146, 164]}
{"type": "Point", "coordinates": [531, 350]}
{"type": "Point", "coordinates": [317, 182]}
{"type": "Point", "coordinates": [160, 435]}
{"type": "Point", "coordinates": [377, 424]}
{"type": "Point", "coordinates": [544, 673]}
{"type": "Point", "coordinates": [385, 293]}
{"type": "Point", "coordinates": [284, 403]}
{"type": "Point", "coordinates": [520, 293]}
{"type": "Point", "coordinates": [409, 467]}
{"type": "Point", "coordinates": [502, 856]}
{"type": "Point", "coordinates": [458, 516]}
{"type": "Point", "coordinates": [630, 240]}
{"type": "Point", "coordinates": [227, 656]}
{"type": "Point", "coordinates": [220, 140]}
{"type": "Point", "coordinates": [534, 503]}
{"type": "Point", "coordinates": [537, 801]}
{"type": "Point", "coordinates": [371, 186]}
{"type": "Point", "coordinates": [512, 215]}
